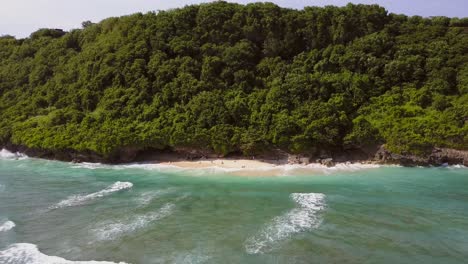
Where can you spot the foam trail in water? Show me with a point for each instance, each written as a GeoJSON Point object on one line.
{"type": "Point", "coordinates": [146, 197]}
{"type": "Point", "coordinates": [302, 218]}
{"type": "Point", "coordinates": [8, 225]}
{"type": "Point", "coordinates": [81, 199]}
{"type": "Point", "coordinates": [114, 230]}
{"type": "Point", "coordinates": [89, 165]}
{"type": "Point", "coordinates": [143, 166]}
{"type": "Point", "coordinates": [24, 253]}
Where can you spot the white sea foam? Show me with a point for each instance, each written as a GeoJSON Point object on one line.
{"type": "Point", "coordinates": [459, 166]}
{"type": "Point", "coordinates": [304, 217]}
{"type": "Point", "coordinates": [5, 154]}
{"type": "Point", "coordinates": [8, 225]}
{"type": "Point", "coordinates": [75, 200]}
{"type": "Point", "coordinates": [317, 167]}
{"type": "Point", "coordinates": [24, 253]}
{"type": "Point", "coordinates": [118, 229]}
{"type": "Point", "coordinates": [143, 166]}
{"type": "Point", "coordinates": [89, 165]}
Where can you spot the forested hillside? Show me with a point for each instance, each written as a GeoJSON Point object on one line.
{"type": "Point", "coordinates": [233, 78]}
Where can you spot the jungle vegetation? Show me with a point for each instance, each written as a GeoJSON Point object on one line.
{"type": "Point", "coordinates": [233, 78]}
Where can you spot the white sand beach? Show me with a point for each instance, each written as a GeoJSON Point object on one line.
{"type": "Point", "coordinates": [245, 167]}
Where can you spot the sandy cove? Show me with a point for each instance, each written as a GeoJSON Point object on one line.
{"type": "Point", "coordinates": [245, 167]}
{"type": "Point", "coordinates": [223, 163]}
{"type": "Point", "coordinates": [242, 167]}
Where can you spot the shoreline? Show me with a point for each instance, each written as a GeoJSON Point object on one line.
{"type": "Point", "coordinates": [193, 159]}
{"type": "Point", "coordinates": [259, 168]}
{"type": "Point", "coordinates": [235, 166]}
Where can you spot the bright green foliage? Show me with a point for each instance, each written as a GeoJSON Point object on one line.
{"type": "Point", "coordinates": [233, 78]}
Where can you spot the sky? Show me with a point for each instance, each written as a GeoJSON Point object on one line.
{"type": "Point", "coordinates": [22, 17]}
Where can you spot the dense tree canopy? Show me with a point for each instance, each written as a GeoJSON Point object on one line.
{"type": "Point", "coordinates": [230, 78]}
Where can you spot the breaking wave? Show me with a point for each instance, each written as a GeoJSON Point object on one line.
{"type": "Point", "coordinates": [24, 253]}
{"type": "Point", "coordinates": [143, 166]}
{"type": "Point", "coordinates": [115, 230]}
{"type": "Point", "coordinates": [75, 200]}
{"type": "Point", "coordinates": [302, 218]}
{"type": "Point", "coordinates": [5, 154]}
{"type": "Point", "coordinates": [8, 225]}
{"type": "Point", "coordinates": [459, 166]}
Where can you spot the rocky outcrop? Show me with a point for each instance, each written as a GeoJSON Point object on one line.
{"type": "Point", "coordinates": [448, 156]}
{"type": "Point", "coordinates": [297, 159]}
{"type": "Point", "coordinates": [438, 157]}
{"type": "Point", "coordinates": [327, 162]}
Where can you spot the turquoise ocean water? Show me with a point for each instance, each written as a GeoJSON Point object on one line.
{"type": "Point", "coordinates": [58, 212]}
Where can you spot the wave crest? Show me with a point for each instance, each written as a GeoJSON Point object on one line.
{"type": "Point", "coordinates": [143, 166]}
{"type": "Point", "coordinates": [302, 218]}
{"type": "Point", "coordinates": [5, 154]}
{"type": "Point", "coordinates": [8, 225]}
{"type": "Point", "coordinates": [75, 200]}
{"type": "Point", "coordinates": [24, 253]}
